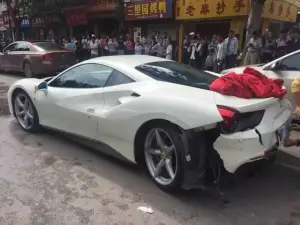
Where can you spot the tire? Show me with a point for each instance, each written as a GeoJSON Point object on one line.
{"type": "Point", "coordinates": [27, 110]}
{"type": "Point", "coordinates": [171, 132]}
{"type": "Point", "coordinates": [27, 69]}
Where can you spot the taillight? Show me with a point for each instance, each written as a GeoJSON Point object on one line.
{"type": "Point", "coordinates": [45, 58]}
{"type": "Point", "coordinates": [234, 121]}
{"type": "Point", "coordinates": [230, 119]}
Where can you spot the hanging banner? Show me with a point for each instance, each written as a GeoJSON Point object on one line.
{"type": "Point", "coordinates": [76, 17]}
{"type": "Point", "coordinates": [6, 19]}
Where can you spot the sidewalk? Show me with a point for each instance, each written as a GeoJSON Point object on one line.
{"type": "Point", "coordinates": [290, 157]}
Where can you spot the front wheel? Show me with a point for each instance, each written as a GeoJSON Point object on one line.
{"type": "Point", "coordinates": [162, 150]}
{"type": "Point", "coordinates": [25, 112]}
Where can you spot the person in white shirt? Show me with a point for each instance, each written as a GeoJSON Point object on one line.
{"type": "Point", "coordinates": [254, 47]}
{"type": "Point", "coordinates": [169, 50]}
{"type": "Point", "coordinates": [220, 53]}
{"type": "Point", "coordinates": [94, 47]}
{"type": "Point", "coordinates": [231, 45]}
{"type": "Point", "coordinates": [192, 51]}
{"type": "Point", "coordinates": [85, 48]}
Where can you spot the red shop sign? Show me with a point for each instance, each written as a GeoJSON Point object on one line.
{"type": "Point", "coordinates": [5, 18]}
{"type": "Point", "coordinates": [76, 17]}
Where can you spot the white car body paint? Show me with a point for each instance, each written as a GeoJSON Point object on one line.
{"type": "Point", "coordinates": [111, 115]}
{"type": "Point", "coordinates": [287, 75]}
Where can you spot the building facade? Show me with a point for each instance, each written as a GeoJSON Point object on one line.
{"type": "Point", "coordinates": [208, 17]}
{"type": "Point", "coordinates": [145, 17]}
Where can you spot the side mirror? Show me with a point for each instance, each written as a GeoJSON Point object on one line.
{"type": "Point", "coordinates": [275, 66]}
{"type": "Point", "coordinates": [42, 87]}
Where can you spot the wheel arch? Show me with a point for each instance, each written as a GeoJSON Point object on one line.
{"type": "Point", "coordinates": [140, 135]}
{"type": "Point", "coordinates": [13, 94]}
{"type": "Point", "coordinates": [25, 61]}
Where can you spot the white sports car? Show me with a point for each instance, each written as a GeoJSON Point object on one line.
{"type": "Point", "coordinates": [153, 112]}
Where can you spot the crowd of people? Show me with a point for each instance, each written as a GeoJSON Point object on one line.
{"type": "Point", "coordinates": [222, 53]}
{"type": "Point", "coordinates": [90, 47]}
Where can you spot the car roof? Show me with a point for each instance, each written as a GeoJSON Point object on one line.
{"type": "Point", "coordinates": [30, 41]}
{"type": "Point", "coordinates": [126, 60]}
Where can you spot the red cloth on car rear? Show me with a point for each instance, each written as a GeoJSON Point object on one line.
{"type": "Point", "coordinates": [250, 84]}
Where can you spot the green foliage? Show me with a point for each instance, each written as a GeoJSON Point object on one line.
{"type": "Point", "coordinates": [19, 8]}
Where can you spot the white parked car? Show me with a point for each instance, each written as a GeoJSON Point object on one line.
{"type": "Point", "coordinates": [286, 68]}
{"type": "Point", "coordinates": [153, 112]}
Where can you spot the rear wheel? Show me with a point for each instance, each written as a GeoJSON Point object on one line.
{"type": "Point", "coordinates": [27, 69]}
{"type": "Point", "coordinates": [163, 159]}
{"type": "Point", "coordinates": [25, 112]}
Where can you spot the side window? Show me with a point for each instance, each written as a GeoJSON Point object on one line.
{"type": "Point", "coordinates": [83, 76]}
{"type": "Point", "coordinates": [290, 63]}
{"type": "Point", "coordinates": [117, 78]}
{"type": "Point", "coordinates": [22, 47]}
{"type": "Point", "coordinates": [11, 47]}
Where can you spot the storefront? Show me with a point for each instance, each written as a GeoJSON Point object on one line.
{"type": "Point", "coordinates": [279, 14]}
{"type": "Point", "coordinates": [146, 17]}
{"type": "Point", "coordinates": [208, 17]}
{"type": "Point", "coordinates": [102, 17]}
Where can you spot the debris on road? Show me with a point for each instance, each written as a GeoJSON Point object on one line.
{"type": "Point", "coordinates": [145, 209]}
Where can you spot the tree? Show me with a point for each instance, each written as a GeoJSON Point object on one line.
{"type": "Point", "coordinates": [254, 21]}
{"type": "Point", "coordinates": [17, 10]}
{"type": "Point", "coordinates": [120, 13]}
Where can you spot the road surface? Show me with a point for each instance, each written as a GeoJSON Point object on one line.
{"type": "Point", "coordinates": [46, 179]}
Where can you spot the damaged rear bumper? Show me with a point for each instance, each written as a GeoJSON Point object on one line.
{"type": "Point", "coordinates": [243, 147]}
{"type": "Point", "coordinates": [208, 152]}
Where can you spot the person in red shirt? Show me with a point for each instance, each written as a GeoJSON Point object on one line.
{"type": "Point", "coordinates": [129, 47]}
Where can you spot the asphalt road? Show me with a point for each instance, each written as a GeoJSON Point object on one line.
{"type": "Point", "coordinates": [46, 179]}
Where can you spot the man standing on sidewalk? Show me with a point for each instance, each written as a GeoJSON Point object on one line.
{"type": "Point", "coordinates": [254, 48]}
{"type": "Point", "coordinates": [231, 45]}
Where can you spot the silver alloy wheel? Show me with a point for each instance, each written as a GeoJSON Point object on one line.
{"type": "Point", "coordinates": [27, 70]}
{"type": "Point", "coordinates": [160, 156]}
{"type": "Point", "coordinates": [24, 111]}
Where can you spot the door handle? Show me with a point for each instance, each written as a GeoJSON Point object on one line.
{"type": "Point", "coordinates": [90, 110]}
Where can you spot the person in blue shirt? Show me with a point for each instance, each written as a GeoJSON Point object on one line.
{"type": "Point", "coordinates": [71, 45]}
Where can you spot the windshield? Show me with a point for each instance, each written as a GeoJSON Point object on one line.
{"type": "Point", "coordinates": [47, 46]}
{"type": "Point", "coordinates": [173, 72]}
